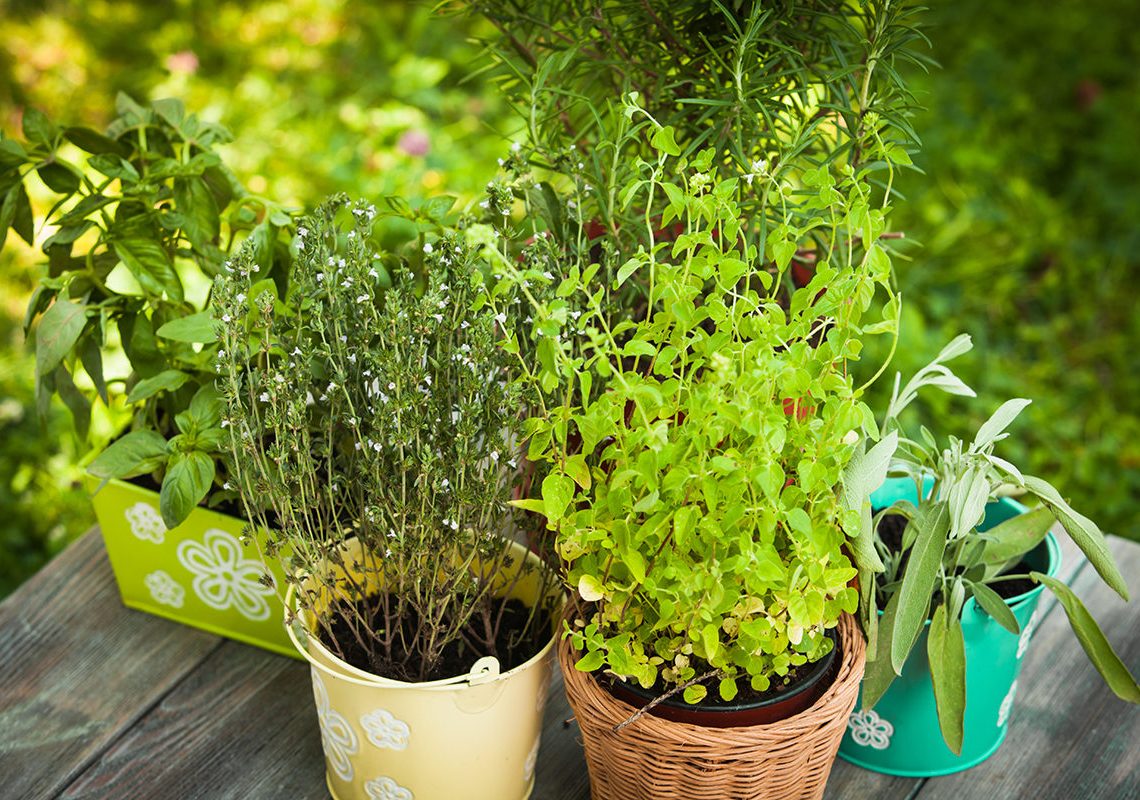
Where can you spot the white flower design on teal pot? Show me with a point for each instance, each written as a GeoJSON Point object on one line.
{"type": "Point", "coordinates": [868, 729]}
{"type": "Point", "coordinates": [387, 789]}
{"type": "Point", "coordinates": [1027, 633]}
{"type": "Point", "coordinates": [338, 739]}
{"type": "Point", "coordinates": [145, 522]}
{"type": "Point", "coordinates": [164, 589]}
{"type": "Point", "coordinates": [1006, 705]}
{"type": "Point", "coordinates": [223, 578]}
{"type": "Point", "coordinates": [385, 731]}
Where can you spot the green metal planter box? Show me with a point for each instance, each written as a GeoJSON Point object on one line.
{"type": "Point", "coordinates": [900, 735]}
{"type": "Point", "coordinates": [198, 573]}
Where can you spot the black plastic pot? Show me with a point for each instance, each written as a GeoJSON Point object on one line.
{"type": "Point", "coordinates": [787, 702]}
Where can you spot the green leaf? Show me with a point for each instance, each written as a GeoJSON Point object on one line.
{"type": "Point", "coordinates": [166, 381]}
{"type": "Point", "coordinates": [695, 693]}
{"type": "Point", "coordinates": [91, 356]}
{"type": "Point", "coordinates": [1016, 536]}
{"type": "Point", "coordinates": [628, 268]}
{"type": "Point", "coordinates": [195, 328]}
{"type": "Point", "coordinates": [114, 166]}
{"type": "Point", "coordinates": [664, 141]}
{"type": "Point", "coordinates": [195, 202]}
{"type": "Point", "coordinates": [1093, 640]}
{"type": "Point", "coordinates": [38, 128]}
{"type": "Point", "coordinates": [58, 177]}
{"type": "Point", "coordinates": [531, 504]}
{"type": "Point", "coordinates": [591, 589]}
{"type": "Point", "coordinates": [782, 253]}
{"type": "Point", "coordinates": [141, 251]}
{"type": "Point", "coordinates": [58, 331]}
{"type": "Point", "coordinates": [16, 213]}
{"type": "Point", "coordinates": [557, 491]}
{"type": "Point", "coordinates": [1083, 531]}
{"type": "Point", "coordinates": [137, 453]}
{"type": "Point", "coordinates": [187, 482]}
{"type": "Point", "coordinates": [992, 604]}
{"type": "Point", "coordinates": [727, 689]}
{"type": "Point", "coordinates": [993, 428]}
{"type": "Point", "coordinates": [206, 407]}
{"type": "Point", "coordinates": [590, 661]}
{"type": "Point", "coordinates": [576, 468]}
{"type": "Point", "coordinates": [436, 208]}
{"type": "Point", "coordinates": [932, 524]}
{"type": "Point", "coordinates": [12, 154]}
{"type": "Point", "coordinates": [171, 110]}
{"type": "Point", "coordinates": [947, 653]}
{"type": "Point", "coordinates": [92, 142]}
{"type": "Point", "coordinates": [76, 402]}
{"type": "Point", "coordinates": [879, 673]}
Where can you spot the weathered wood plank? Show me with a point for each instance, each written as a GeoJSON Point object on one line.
{"type": "Point", "coordinates": [77, 669]}
{"type": "Point", "coordinates": [242, 726]}
{"type": "Point", "coordinates": [1069, 735]}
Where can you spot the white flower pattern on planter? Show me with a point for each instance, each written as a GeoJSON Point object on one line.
{"type": "Point", "coordinates": [870, 730]}
{"type": "Point", "coordinates": [531, 760]}
{"type": "Point", "coordinates": [338, 739]}
{"type": "Point", "coordinates": [1006, 705]}
{"type": "Point", "coordinates": [146, 523]}
{"type": "Point", "coordinates": [164, 589]}
{"type": "Point", "coordinates": [1027, 632]}
{"type": "Point", "coordinates": [387, 789]}
{"type": "Point", "coordinates": [385, 731]}
{"type": "Point", "coordinates": [222, 578]}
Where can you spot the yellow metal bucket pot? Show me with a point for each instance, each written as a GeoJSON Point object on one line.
{"type": "Point", "coordinates": [473, 736]}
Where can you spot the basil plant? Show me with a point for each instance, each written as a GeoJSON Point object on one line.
{"type": "Point", "coordinates": [143, 216]}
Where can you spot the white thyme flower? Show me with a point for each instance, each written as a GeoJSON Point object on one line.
{"type": "Point", "coordinates": [302, 231]}
{"type": "Point", "coordinates": [226, 318]}
{"type": "Point", "coordinates": [427, 247]}
{"type": "Point", "coordinates": [320, 277]}
{"type": "Point", "coordinates": [360, 298]}
{"type": "Point", "coordinates": [515, 147]}
{"type": "Point", "coordinates": [501, 318]}
{"type": "Point", "coordinates": [296, 351]}
{"type": "Point", "coordinates": [264, 397]}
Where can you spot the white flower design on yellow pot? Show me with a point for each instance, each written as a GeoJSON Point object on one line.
{"type": "Point", "coordinates": [338, 739]}
{"type": "Point", "coordinates": [1006, 705]}
{"type": "Point", "coordinates": [868, 729]}
{"type": "Point", "coordinates": [164, 589]}
{"type": "Point", "coordinates": [387, 789]}
{"type": "Point", "coordinates": [385, 731]}
{"type": "Point", "coordinates": [145, 522]}
{"type": "Point", "coordinates": [1027, 632]}
{"type": "Point", "coordinates": [223, 578]}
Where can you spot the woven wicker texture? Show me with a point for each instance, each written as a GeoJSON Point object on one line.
{"type": "Point", "coordinates": [655, 759]}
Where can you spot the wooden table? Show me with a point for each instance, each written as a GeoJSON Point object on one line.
{"type": "Point", "coordinates": [97, 701]}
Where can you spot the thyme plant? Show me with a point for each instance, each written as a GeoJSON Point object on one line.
{"type": "Point", "coordinates": [378, 406]}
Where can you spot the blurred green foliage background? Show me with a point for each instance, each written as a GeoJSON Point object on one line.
{"type": "Point", "coordinates": [1023, 230]}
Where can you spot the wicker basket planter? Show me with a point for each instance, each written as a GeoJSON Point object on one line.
{"type": "Point", "coordinates": [656, 759]}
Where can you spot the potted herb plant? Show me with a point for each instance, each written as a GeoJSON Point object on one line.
{"type": "Point", "coordinates": [700, 441]}
{"type": "Point", "coordinates": [374, 428]}
{"type": "Point", "coordinates": [964, 568]}
{"type": "Point", "coordinates": [141, 222]}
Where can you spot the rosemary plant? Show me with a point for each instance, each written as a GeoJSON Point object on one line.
{"type": "Point", "coordinates": [379, 408]}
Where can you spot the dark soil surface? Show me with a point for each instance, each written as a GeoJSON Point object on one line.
{"type": "Point", "coordinates": [891, 527]}
{"type": "Point", "coordinates": [1008, 589]}
{"type": "Point", "coordinates": [513, 646]}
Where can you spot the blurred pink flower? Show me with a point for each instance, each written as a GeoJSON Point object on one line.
{"type": "Point", "coordinates": [184, 61]}
{"type": "Point", "coordinates": [414, 142]}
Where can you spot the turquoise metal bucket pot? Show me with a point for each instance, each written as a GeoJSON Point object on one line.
{"type": "Point", "coordinates": [900, 735]}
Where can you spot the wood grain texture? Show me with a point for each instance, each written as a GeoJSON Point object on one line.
{"type": "Point", "coordinates": [242, 726]}
{"type": "Point", "coordinates": [1069, 736]}
{"type": "Point", "coordinates": [77, 669]}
